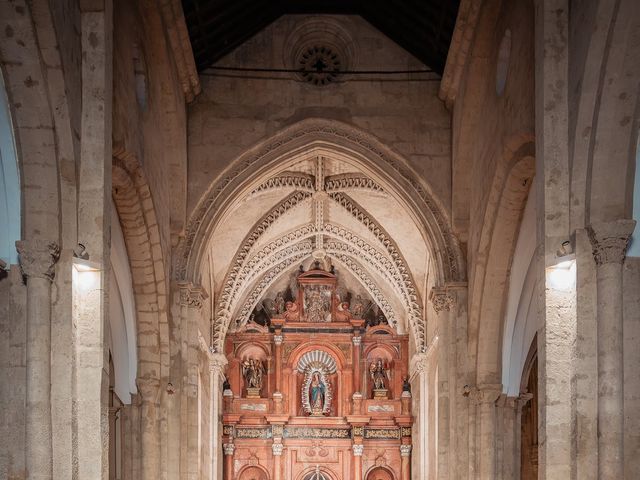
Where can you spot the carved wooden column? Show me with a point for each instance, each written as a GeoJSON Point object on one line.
{"type": "Point", "coordinates": [405, 462]}
{"type": "Point", "coordinates": [610, 241]}
{"type": "Point", "coordinates": [228, 449]}
{"type": "Point", "coordinates": [277, 341]}
{"type": "Point", "coordinates": [277, 448]}
{"type": "Point", "coordinates": [357, 450]}
{"type": "Point", "coordinates": [37, 261]}
{"type": "Point", "coordinates": [357, 375]}
{"type": "Point", "coordinates": [191, 300]}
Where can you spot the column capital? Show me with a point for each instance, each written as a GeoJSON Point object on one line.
{"type": "Point", "coordinates": [610, 240]}
{"type": "Point", "coordinates": [441, 299]}
{"type": "Point", "coordinates": [405, 450]}
{"type": "Point", "coordinates": [523, 399]}
{"type": "Point", "coordinates": [192, 296]}
{"type": "Point", "coordinates": [38, 257]}
{"type": "Point", "coordinates": [357, 449]}
{"type": "Point", "coordinates": [228, 448]}
{"type": "Point", "coordinates": [277, 448]}
{"type": "Point", "coordinates": [484, 394]}
{"type": "Point", "coordinates": [149, 389]}
{"type": "Point", "coordinates": [278, 339]}
{"type": "Point", "coordinates": [356, 340]}
{"type": "Point", "coordinates": [217, 363]}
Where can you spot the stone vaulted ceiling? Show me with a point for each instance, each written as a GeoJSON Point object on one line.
{"type": "Point", "coordinates": [422, 27]}
{"type": "Point", "coordinates": [319, 207]}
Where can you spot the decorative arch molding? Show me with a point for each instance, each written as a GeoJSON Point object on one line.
{"type": "Point", "coordinates": [251, 300]}
{"type": "Point", "coordinates": [351, 181]}
{"type": "Point", "coordinates": [297, 180]}
{"type": "Point", "coordinates": [134, 203]}
{"type": "Point", "coordinates": [379, 162]}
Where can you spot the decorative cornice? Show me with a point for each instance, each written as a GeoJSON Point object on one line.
{"type": "Point", "coordinates": [38, 258]}
{"type": "Point", "coordinates": [610, 240]}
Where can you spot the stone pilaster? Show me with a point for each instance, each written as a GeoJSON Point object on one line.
{"type": "Point", "coordinates": [228, 449]}
{"type": "Point", "coordinates": [357, 375]}
{"type": "Point", "coordinates": [484, 397]}
{"type": "Point", "coordinates": [610, 241]}
{"type": "Point", "coordinates": [191, 301]}
{"type": "Point", "coordinates": [37, 261]}
{"type": "Point", "coordinates": [443, 303]}
{"type": "Point", "coordinates": [405, 462]}
{"type": "Point", "coordinates": [217, 365]}
{"type": "Point", "coordinates": [276, 448]}
{"type": "Point", "coordinates": [357, 450]}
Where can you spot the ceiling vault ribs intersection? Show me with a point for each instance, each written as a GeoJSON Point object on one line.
{"type": "Point", "coordinates": [256, 265]}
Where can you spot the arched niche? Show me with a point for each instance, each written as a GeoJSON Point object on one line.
{"type": "Point", "coordinates": [317, 473]}
{"type": "Point", "coordinates": [380, 473]}
{"type": "Point", "coordinates": [390, 358]}
{"type": "Point", "coordinates": [253, 472]}
{"type": "Point", "coordinates": [337, 379]}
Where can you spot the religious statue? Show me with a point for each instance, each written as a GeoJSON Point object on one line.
{"type": "Point", "coordinates": [279, 304]}
{"type": "Point", "coordinates": [406, 386]}
{"type": "Point", "coordinates": [316, 394]}
{"type": "Point", "coordinates": [253, 372]}
{"type": "Point", "coordinates": [291, 313]}
{"type": "Point", "coordinates": [343, 314]}
{"type": "Point", "coordinates": [379, 374]}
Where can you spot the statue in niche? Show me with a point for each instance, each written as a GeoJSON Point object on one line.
{"type": "Point", "coordinates": [358, 307]}
{"type": "Point", "coordinates": [279, 304]}
{"type": "Point", "coordinates": [291, 312]}
{"type": "Point", "coordinates": [316, 394]}
{"type": "Point", "coordinates": [253, 373]}
{"type": "Point", "coordinates": [379, 374]}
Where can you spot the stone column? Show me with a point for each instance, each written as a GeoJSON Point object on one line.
{"type": "Point", "coordinates": [442, 304]}
{"type": "Point", "coordinates": [37, 260]}
{"type": "Point", "coordinates": [191, 300]}
{"type": "Point", "coordinates": [485, 398]}
{"type": "Point", "coordinates": [357, 450]}
{"type": "Point", "coordinates": [405, 462]}
{"type": "Point", "coordinates": [277, 448]}
{"type": "Point", "coordinates": [610, 241]}
{"type": "Point", "coordinates": [423, 434]}
{"type": "Point", "coordinates": [228, 449]}
{"type": "Point", "coordinates": [277, 341]}
{"type": "Point", "coordinates": [217, 364]}
{"type": "Point", "coordinates": [357, 375]}
{"type": "Point", "coordinates": [149, 427]}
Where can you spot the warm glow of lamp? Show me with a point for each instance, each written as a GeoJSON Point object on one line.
{"type": "Point", "coordinates": [562, 276]}
{"type": "Point", "coordinates": [86, 275]}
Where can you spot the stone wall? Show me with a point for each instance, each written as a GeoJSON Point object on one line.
{"type": "Point", "coordinates": [236, 110]}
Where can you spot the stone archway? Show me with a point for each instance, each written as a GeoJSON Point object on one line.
{"type": "Point", "coordinates": [253, 473]}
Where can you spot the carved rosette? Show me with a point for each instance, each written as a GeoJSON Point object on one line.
{"type": "Point", "coordinates": [358, 450]}
{"type": "Point", "coordinates": [38, 258]}
{"type": "Point", "coordinates": [610, 240]}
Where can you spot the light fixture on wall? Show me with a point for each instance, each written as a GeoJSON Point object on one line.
{"type": "Point", "coordinates": [561, 275]}
{"type": "Point", "coordinates": [80, 251]}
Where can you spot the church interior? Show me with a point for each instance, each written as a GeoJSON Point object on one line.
{"type": "Point", "coordinates": [330, 240]}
